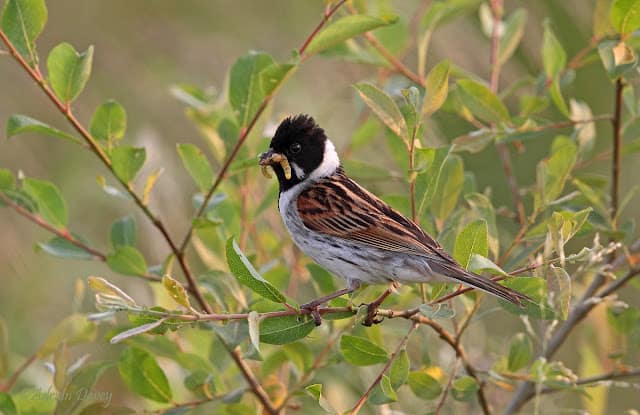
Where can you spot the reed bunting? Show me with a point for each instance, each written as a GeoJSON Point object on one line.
{"type": "Point", "coordinates": [348, 230]}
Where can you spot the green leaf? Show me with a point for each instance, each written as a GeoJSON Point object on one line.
{"type": "Point", "coordinates": [520, 352]}
{"type": "Point", "coordinates": [480, 264]}
{"type": "Point", "coordinates": [464, 388]}
{"type": "Point", "coordinates": [617, 58]}
{"type": "Point", "coordinates": [127, 260]}
{"type": "Point", "coordinates": [176, 291]}
{"type": "Point", "coordinates": [424, 386]}
{"type": "Point", "coordinates": [428, 179]}
{"type": "Point", "coordinates": [109, 122]}
{"type": "Point", "coordinates": [127, 162]}
{"type": "Point", "coordinates": [245, 89]}
{"type": "Point", "coordinates": [247, 275]}
{"type": "Point", "coordinates": [399, 370]}
{"type": "Point", "coordinates": [446, 197]}
{"type": "Point", "coordinates": [74, 329]}
{"type": "Point", "coordinates": [536, 289]}
{"type": "Point", "coordinates": [51, 204]}
{"type": "Point", "coordinates": [625, 16]}
{"type": "Point", "coordinates": [81, 385]}
{"type": "Point", "coordinates": [361, 352]}
{"type": "Point", "coordinates": [7, 406]}
{"type": "Point", "coordinates": [272, 77]}
{"type": "Point", "coordinates": [22, 22]}
{"type": "Point", "coordinates": [559, 283]}
{"type": "Point", "coordinates": [554, 58]}
{"type": "Point", "coordinates": [437, 87]}
{"type": "Point", "coordinates": [322, 277]}
{"type": "Point", "coordinates": [283, 330]}
{"type": "Point", "coordinates": [513, 31]}
{"type": "Point", "coordinates": [7, 181]}
{"type": "Point", "coordinates": [623, 320]}
{"type": "Point", "coordinates": [471, 240]}
{"type": "Point", "coordinates": [554, 172]}
{"type": "Point", "coordinates": [346, 28]}
{"type": "Point", "coordinates": [482, 103]}
{"type": "Point", "coordinates": [197, 165]}
{"type": "Point", "coordinates": [69, 71]}
{"type": "Point", "coordinates": [315, 391]}
{"type": "Point", "coordinates": [18, 124]}
{"type": "Point", "coordinates": [123, 232]}
{"type": "Point", "coordinates": [62, 248]}
{"type": "Point", "coordinates": [142, 374]}
{"type": "Point", "coordinates": [558, 100]}
{"type": "Point", "coordinates": [383, 393]}
{"type": "Point", "coordinates": [384, 107]}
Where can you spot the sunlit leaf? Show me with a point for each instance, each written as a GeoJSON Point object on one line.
{"type": "Point", "coordinates": [520, 352]}
{"type": "Point", "coordinates": [361, 352]}
{"type": "Point", "coordinates": [283, 330]}
{"type": "Point", "coordinates": [247, 275]}
{"type": "Point", "coordinates": [346, 28]}
{"type": "Point", "coordinates": [272, 77]}
{"type": "Point", "coordinates": [483, 103]}
{"type": "Point", "coordinates": [399, 370]}
{"type": "Point", "coordinates": [51, 204]}
{"type": "Point", "coordinates": [464, 388]}
{"type": "Point", "coordinates": [315, 391]}
{"type": "Point", "coordinates": [424, 386]}
{"type": "Point", "coordinates": [449, 188]}
{"type": "Point", "coordinates": [22, 22]}
{"type": "Point", "coordinates": [127, 162]}
{"type": "Point", "coordinates": [197, 165]}
{"type": "Point", "coordinates": [177, 291]}
{"type": "Point", "coordinates": [384, 107]}
{"type": "Point", "coordinates": [383, 393]}
{"type": "Point", "coordinates": [127, 260]}
{"type": "Point", "coordinates": [471, 240]}
{"type": "Point", "coordinates": [513, 31]}
{"type": "Point", "coordinates": [245, 89]}
{"type": "Point", "coordinates": [18, 124]}
{"type": "Point", "coordinates": [625, 15]}
{"type": "Point", "coordinates": [7, 406]}
{"type": "Point", "coordinates": [109, 122]}
{"type": "Point", "coordinates": [554, 58]}
{"type": "Point", "coordinates": [69, 70]}
{"type": "Point", "coordinates": [437, 87]}
{"type": "Point", "coordinates": [142, 374]}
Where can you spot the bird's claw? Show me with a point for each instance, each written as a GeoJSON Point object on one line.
{"type": "Point", "coordinates": [372, 318]}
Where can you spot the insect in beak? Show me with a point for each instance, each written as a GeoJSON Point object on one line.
{"type": "Point", "coordinates": [269, 159]}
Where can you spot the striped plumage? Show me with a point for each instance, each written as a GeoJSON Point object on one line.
{"type": "Point", "coordinates": [347, 229]}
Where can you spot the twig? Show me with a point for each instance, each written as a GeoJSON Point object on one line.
{"type": "Point", "coordinates": [447, 388]}
{"type": "Point", "coordinates": [64, 234]}
{"type": "Point", "coordinates": [617, 147]}
{"type": "Point", "coordinates": [394, 61]}
{"type": "Point", "coordinates": [378, 379]}
{"type": "Point", "coordinates": [244, 132]}
{"type": "Point", "coordinates": [14, 378]}
{"type": "Point", "coordinates": [587, 302]}
{"type": "Point", "coordinates": [596, 379]}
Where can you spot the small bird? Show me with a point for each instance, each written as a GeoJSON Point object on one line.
{"type": "Point", "coordinates": [348, 230]}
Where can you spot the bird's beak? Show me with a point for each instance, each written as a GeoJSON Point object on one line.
{"type": "Point", "coordinates": [271, 158]}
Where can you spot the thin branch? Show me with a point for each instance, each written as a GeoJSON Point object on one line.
{"type": "Point", "coordinates": [447, 388]}
{"type": "Point", "coordinates": [19, 371]}
{"type": "Point", "coordinates": [64, 234]}
{"type": "Point", "coordinates": [244, 132]}
{"type": "Point", "coordinates": [587, 302]}
{"type": "Point", "coordinates": [617, 151]}
{"type": "Point", "coordinates": [394, 61]}
{"type": "Point", "coordinates": [363, 399]}
{"type": "Point", "coordinates": [605, 377]}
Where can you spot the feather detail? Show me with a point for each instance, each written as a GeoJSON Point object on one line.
{"type": "Point", "coordinates": [338, 206]}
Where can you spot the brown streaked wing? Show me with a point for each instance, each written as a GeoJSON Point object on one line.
{"type": "Point", "coordinates": [340, 207]}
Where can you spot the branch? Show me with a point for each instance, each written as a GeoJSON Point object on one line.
{"type": "Point", "coordinates": [65, 109]}
{"type": "Point", "coordinates": [589, 381]}
{"type": "Point", "coordinates": [244, 132]}
{"type": "Point", "coordinates": [588, 301]}
{"type": "Point", "coordinates": [363, 399]}
{"type": "Point", "coordinates": [445, 393]}
{"type": "Point", "coordinates": [617, 147]}
{"type": "Point", "coordinates": [19, 371]}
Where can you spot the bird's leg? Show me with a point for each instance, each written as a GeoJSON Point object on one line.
{"type": "Point", "coordinates": [313, 305]}
{"type": "Point", "coordinates": [372, 308]}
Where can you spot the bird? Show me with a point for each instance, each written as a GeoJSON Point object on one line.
{"type": "Point", "coordinates": [348, 230]}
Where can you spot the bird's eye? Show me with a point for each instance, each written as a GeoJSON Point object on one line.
{"type": "Point", "coordinates": [295, 148]}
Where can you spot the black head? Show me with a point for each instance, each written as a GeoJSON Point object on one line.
{"type": "Point", "coordinates": [305, 147]}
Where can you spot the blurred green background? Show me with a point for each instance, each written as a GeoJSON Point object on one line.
{"type": "Point", "coordinates": [142, 48]}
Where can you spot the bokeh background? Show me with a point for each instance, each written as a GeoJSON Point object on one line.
{"type": "Point", "coordinates": [142, 48]}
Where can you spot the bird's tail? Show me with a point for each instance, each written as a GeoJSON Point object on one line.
{"type": "Point", "coordinates": [487, 285]}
